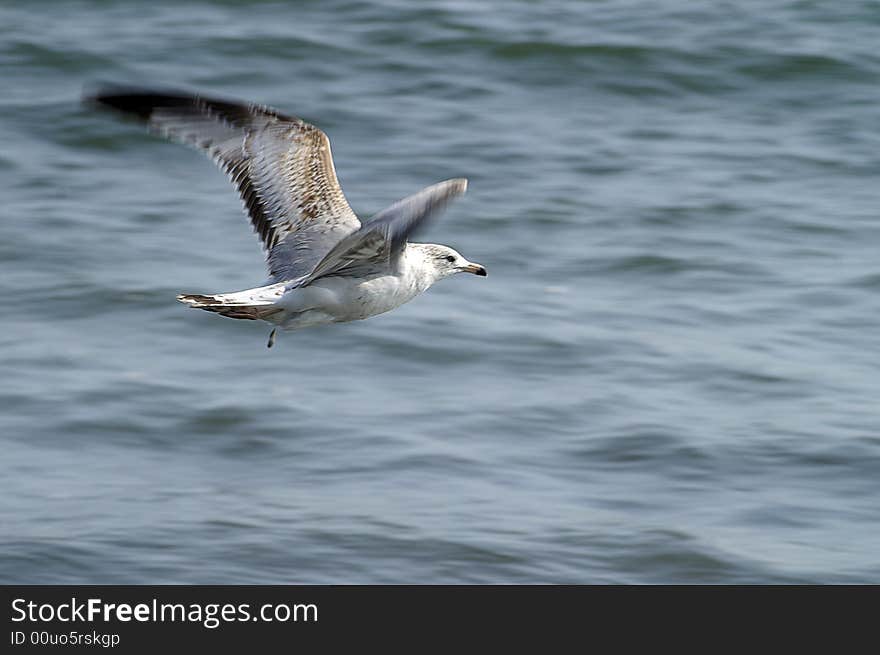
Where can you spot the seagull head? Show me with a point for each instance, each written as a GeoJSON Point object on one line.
{"type": "Point", "coordinates": [447, 261]}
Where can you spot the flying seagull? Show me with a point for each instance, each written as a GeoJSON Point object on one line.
{"type": "Point", "coordinates": [325, 265]}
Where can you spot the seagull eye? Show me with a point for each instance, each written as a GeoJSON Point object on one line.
{"type": "Point", "coordinates": [450, 258]}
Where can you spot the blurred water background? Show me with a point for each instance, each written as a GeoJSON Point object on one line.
{"type": "Point", "coordinates": [671, 373]}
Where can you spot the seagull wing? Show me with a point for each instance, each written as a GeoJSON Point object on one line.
{"type": "Point", "coordinates": [376, 245]}
{"type": "Point", "coordinates": [281, 166]}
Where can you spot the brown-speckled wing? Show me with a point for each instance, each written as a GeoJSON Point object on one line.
{"type": "Point", "coordinates": [281, 166]}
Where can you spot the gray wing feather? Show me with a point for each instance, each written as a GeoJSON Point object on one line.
{"type": "Point", "coordinates": [376, 245]}
{"type": "Point", "coordinates": [281, 166]}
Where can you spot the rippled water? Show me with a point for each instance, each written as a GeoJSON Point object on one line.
{"type": "Point", "coordinates": [670, 375]}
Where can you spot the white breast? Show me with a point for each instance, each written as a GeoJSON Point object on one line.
{"type": "Point", "coordinates": [365, 298]}
{"type": "Point", "coordinates": [351, 299]}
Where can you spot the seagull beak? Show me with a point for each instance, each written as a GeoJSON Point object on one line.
{"type": "Point", "coordinates": [476, 269]}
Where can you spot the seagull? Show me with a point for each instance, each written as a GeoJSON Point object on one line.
{"type": "Point", "coordinates": [325, 265]}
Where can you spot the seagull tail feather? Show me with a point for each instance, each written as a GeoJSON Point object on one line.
{"type": "Point", "coordinates": [227, 305]}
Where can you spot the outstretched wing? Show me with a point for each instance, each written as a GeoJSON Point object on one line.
{"type": "Point", "coordinates": [376, 245]}
{"type": "Point", "coordinates": [281, 166]}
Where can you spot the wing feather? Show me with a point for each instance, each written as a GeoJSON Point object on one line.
{"type": "Point", "coordinates": [281, 166]}
{"type": "Point", "coordinates": [376, 245]}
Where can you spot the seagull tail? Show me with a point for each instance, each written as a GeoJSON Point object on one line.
{"type": "Point", "coordinates": [242, 305]}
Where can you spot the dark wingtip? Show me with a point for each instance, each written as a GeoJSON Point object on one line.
{"type": "Point", "coordinates": [141, 102]}
{"type": "Point", "coordinates": [131, 100]}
